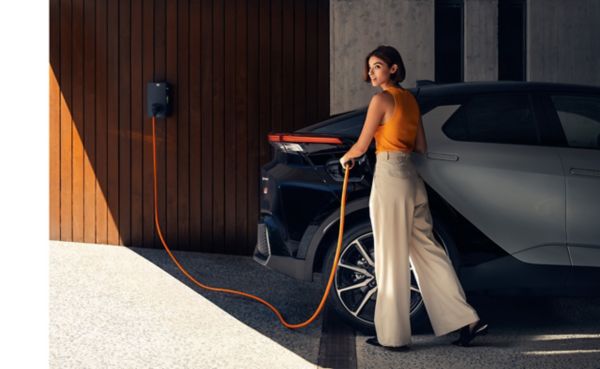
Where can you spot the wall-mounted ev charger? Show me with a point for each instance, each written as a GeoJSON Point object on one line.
{"type": "Point", "coordinates": [159, 100]}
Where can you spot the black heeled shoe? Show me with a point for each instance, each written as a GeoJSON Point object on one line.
{"type": "Point", "coordinates": [373, 341]}
{"type": "Point", "coordinates": [467, 334]}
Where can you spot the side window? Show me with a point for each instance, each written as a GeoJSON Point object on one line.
{"type": "Point", "coordinates": [501, 118]}
{"type": "Point", "coordinates": [579, 117]}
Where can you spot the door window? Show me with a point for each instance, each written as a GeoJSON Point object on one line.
{"type": "Point", "coordinates": [506, 118]}
{"type": "Point", "coordinates": [579, 117]}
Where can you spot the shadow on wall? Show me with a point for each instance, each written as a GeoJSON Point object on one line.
{"type": "Point", "coordinates": [230, 71]}
{"type": "Point", "coordinates": [231, 75]}
{"type": "Point", "coordinates": [101, 155]}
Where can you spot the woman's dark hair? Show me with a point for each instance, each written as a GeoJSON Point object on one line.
{"type": "Point", "coordinates": [390, 56]}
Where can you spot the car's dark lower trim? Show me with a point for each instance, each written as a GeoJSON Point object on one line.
{"type": "Point", "coordinates": [295, 268]}
{"type": "Point", "coordinates": [302, 268]}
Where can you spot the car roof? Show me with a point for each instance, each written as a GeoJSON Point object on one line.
{"type": "Point", "coordinates": [431, 90]}
{"type": "Point", "coordinates": [475, 87]}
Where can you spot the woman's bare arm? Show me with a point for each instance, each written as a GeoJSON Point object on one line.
{"type": "Point", "coordinates": [375, 113]}
{"type": "Point", "coordinates": [420, 142]}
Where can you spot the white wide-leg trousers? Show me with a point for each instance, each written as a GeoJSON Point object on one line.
{"type": "Point", "coordinates": [402, 230]}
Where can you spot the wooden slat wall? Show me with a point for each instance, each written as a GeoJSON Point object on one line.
{"type": "Point", "coordinates": [239, 69]}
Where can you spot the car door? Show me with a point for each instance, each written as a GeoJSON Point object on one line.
{"type": "Point", "coordinates": [578, 117]}
{"type": "Point", "coordinates": [485, 158]}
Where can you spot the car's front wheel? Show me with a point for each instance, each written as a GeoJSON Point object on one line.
{"type": "Point", "coordinates": [354, 290]}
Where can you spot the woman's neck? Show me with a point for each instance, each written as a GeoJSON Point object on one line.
{"type": "Point", "coordinates": [389, 85]}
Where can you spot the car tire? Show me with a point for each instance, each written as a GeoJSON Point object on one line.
{"type": "Point", "coordinates": [347, 304]}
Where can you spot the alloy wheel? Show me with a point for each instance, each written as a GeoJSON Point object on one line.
{"type": "Point", "coordinates": [355, 283]}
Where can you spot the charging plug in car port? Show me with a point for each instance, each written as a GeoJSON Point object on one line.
{"type": "Point", "coordinates": [357, 174]}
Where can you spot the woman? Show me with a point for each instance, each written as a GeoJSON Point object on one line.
{"type": "Point", "coordinates": [400, 217]}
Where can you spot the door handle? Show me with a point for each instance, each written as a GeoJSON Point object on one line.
{"type": "Point", "coordinates": [442, 156]}
{"type": "Point", "coordinates": [584, 172]}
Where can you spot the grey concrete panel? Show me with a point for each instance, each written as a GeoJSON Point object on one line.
{"type": "Point", "coordinates": [562, 41]}
{"type": "Point", "coordinates": [481, 40]}
{"type": "Point", "coordinates": [359, 26]}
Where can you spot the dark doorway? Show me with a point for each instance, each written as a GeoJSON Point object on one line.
{"type": "Point", "coordinates": [449, 47]}
{"type": "Point", "coordinates": [511, 40]}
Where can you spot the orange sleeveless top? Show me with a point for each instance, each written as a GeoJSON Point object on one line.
{"type": "Point", "coordinates": [399, 133]}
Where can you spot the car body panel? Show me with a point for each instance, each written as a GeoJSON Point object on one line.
{"type": "Point", "coordinates": [575, 116]}
{"type": "Point", "coordinates": [514, 194]}
{"type": "Point", "coordinates": [582, 172]}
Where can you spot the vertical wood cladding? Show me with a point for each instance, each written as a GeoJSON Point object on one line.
{"type": "Point", "coordinates": [238, 69]}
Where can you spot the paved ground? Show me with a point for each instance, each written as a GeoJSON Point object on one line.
{"type": "Point", "coordinates": [117, 307]}
{"type": "Point", "coordinates": [526, 333]}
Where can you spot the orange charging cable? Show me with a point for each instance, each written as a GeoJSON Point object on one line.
{"type": "Point", "coordinates": [235, 292]}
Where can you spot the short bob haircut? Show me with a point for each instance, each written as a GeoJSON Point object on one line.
{"type": "Point", "coordinates": [390, 56]}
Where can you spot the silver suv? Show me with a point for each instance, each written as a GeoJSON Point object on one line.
{"type": "Point", "coordinates": [513, 178]}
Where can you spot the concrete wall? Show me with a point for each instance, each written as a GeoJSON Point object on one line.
{"type": "Point", "coordinates": [359, 26]}
{"type": "Point", "coordinates": [563, 41]}
{"type": "Point", "coordinates": [481, 40]}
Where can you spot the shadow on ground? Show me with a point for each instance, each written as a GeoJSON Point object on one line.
{"type": "Point", "coordinates": [509, 316]}
{"type": "Point", "coordinates": [296, 300]}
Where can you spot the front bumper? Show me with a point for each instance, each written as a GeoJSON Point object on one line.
{"type": "Point", "coordinates": [262, 250]}
{"type": "Point", "coordinates": [288, 265]}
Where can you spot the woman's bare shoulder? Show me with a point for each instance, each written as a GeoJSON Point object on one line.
{"type": "Point", "coordinates": [383, 99]}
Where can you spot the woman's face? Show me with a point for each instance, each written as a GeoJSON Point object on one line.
{"type": "Point", "coordinates": [379, 72]}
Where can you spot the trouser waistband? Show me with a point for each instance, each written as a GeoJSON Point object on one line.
{"type": "Point", "coordinates": [392, 154]}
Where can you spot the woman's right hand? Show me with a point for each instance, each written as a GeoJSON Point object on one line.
{"type": "Point", "coordinates": [344, 161]}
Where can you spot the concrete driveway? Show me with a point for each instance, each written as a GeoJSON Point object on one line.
{"type": "Point", "coordinates": [118, 307]}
